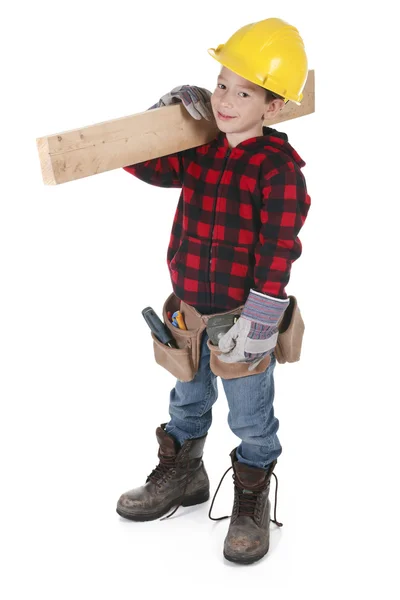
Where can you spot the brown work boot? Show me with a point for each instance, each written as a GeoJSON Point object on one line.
{"type": "Point", "coordinates": [248, 535]}
{"type": "Point", "coordinates": [179, 479]}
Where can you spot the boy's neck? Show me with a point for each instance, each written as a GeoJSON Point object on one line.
{"type": "Point", "coordinates": [235, 138]}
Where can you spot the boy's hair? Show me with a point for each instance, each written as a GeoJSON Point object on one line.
{"type": "Point", "coordinates": [272, 96]}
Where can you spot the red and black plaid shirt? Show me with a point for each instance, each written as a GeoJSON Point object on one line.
{"type": "Point", "coordinates": [237, 218]}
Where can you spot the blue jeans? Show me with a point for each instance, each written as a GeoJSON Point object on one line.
{"type": "Point", "coordinates": [251, 414]}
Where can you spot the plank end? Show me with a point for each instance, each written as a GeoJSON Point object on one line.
{"type": "Point", "coordinates": [45, 161]}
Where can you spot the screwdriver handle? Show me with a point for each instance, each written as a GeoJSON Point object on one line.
{"type": "Point", "coordinates": [158, 328]}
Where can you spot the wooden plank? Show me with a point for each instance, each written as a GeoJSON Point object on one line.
{"type": "Point", "coordinates": [114, 144]}
{"type": "Point", "coordinates": [292, 111]}
{"type": "Point", "coordinates": [105, 146]}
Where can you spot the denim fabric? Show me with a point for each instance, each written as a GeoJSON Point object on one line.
{"type": "Point", "coordinates": [251, 414]}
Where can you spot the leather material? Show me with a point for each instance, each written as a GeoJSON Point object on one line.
{"type": "Point", "coordinates": [168, 444]}
{"type": "Point", "coordinates": [248, 536]}
{"type": "Point", "coordinates": [179, 478]}
{"type": "Point", "coordinates": [183, 361]}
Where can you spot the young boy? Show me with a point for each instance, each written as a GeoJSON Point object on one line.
{"type": "Point", "coordinates": [225, 251]}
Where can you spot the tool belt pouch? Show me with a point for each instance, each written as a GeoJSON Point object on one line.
{"type": "Point", "coordinates": [291, 331]}
{"type": "Point", "coordinates": [182, 362]}
{"type": "Point", "coordinates": [232, 370]}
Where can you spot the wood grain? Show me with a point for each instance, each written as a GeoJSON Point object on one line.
{"type": "Point", "coordinates": [78, 153]}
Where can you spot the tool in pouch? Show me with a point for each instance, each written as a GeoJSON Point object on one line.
{"type": "Point", "coordinates": [183, 360]}
{"type": "Point", "coordinates": [218, 325]}
{"type": "Point", "coordinates": [178, 320]}
{"type": "Point", "coordinates": [158, 328]}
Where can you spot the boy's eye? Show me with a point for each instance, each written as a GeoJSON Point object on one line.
{"type": "Point", "coordinates": [221, 86]}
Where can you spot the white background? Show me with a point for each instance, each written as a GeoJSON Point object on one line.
{"type": "Point", "coordinates": [81, 395]}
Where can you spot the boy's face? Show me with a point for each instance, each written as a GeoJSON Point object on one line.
{"type": "Point", "coordinates": [243, 101]}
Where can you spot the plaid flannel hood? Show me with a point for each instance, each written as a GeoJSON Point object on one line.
{"type": "Point", "coordinates": [237, 220]}
{"type": "Point", "coordinates": [271, 138]}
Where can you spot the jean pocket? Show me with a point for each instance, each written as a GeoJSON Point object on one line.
{"type": "Point", "coordinates": [233, 370]}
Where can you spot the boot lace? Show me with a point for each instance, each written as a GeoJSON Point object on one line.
{"type": "Point", "coordinates": [246, 503]}
{"type": "Point", "coordinates": [165, 470]}
{"type": "Point", "coordinates": [162, 469]}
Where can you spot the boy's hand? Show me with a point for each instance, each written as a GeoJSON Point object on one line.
{"type": "Point", "coordinates": [196, 100]}
{"type": "Point", "coordinates": [255, 333]}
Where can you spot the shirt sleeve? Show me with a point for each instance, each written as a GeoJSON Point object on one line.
{"type": "Point", "coordinates": [285, 204]}
{"type": "Point", "coordinates": [166, 171]}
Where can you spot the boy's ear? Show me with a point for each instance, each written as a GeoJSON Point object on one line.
{"type": "Point", "coordinates": [273, 108]}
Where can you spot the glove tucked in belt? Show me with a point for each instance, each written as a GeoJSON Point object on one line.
{"type": "Point", "coordinates": [255, 333]}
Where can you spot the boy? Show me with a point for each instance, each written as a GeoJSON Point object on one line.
{"type": "Point", "coordinates": [226, 251]}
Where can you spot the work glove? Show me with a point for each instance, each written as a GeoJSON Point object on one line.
{"type": "Point", "coordinates": [255, 333]}
{"type": "Point", "coordinates": [196, 100]}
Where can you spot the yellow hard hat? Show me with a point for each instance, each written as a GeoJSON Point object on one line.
{"type": "Point", "coordinates": [269, 53]}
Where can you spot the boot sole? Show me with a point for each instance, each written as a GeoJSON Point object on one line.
{"type": "Point", "coordinates": [245, 561]}
{"type": "Point", "coordinates": [198, 498]}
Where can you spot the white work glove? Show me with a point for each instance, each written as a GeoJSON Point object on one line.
{"type": "Point", "coordinates": [255, 333]}
{"type": "Point", "coordinates": [196, 100]}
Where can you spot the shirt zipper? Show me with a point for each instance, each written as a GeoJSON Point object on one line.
{"type": "Point", "coordinates": [214, 217]}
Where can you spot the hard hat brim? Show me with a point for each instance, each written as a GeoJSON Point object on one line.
{"type": "Point", "coordinates": [239, 67]}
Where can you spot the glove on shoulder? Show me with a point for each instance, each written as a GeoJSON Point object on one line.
{"type": "Point", "coordinates": [196, 100]}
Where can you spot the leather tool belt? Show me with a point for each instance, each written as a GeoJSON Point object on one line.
{"type": "Point", "coordinates": [183, 362]}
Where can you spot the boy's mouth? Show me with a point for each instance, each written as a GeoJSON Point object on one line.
{"type": "Point", "coordinates": [224, 117]}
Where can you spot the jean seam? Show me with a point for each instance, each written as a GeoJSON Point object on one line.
{"type": "Point", "coordinates": [270, 446]}
{"type": "Point", "coordinates": [206, 399]}
{"type": "Point", "coordinates": [208, 391]}
{"type": "Point", "coordinates": [264, 408]}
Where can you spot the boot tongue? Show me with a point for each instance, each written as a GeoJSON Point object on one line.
{"type": "Point", "coordinates": [168, 445]}
{"type": "Point", "coordinates": [249, 477]}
